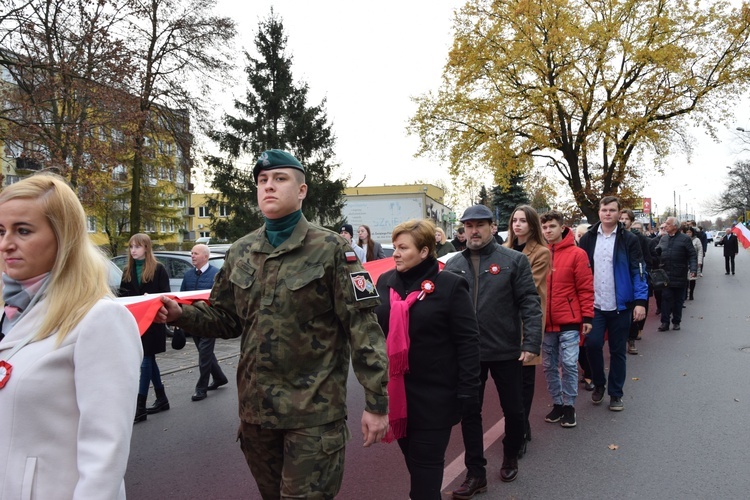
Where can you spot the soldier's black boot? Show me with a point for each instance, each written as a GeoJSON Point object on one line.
{"type": "Point", "coordinates": [140, 409]}
{"type": "Point", "coordinates": [161, 403]}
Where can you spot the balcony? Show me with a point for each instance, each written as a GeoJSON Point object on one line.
{"type": "Point", "coordinates": [190, 212]}
{"type": "Point", "coordinates": [28, 164]}
{"type": "Point", "coordinates": [191, 187]}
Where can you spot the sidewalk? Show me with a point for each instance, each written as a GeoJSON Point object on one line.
{"type": "Point", "coordinates": [174, 361]}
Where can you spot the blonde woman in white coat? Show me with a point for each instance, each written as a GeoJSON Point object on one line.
{"type": "Point", "coordinates": [69, 354]}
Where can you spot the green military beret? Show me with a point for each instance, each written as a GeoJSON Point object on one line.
{"type": "Point", "coordinates": [273, 159]}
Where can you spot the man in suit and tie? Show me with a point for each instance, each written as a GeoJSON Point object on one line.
{"type": "Point", "coordinates": [731, 248]}
{"type": "Point", "coordinates": [201, 277]}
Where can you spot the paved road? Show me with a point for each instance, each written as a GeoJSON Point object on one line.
{"type": "Point", "coordinates": [683, 434]}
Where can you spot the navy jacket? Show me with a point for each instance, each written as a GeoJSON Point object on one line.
{"type": "Point", "coordinates": [631, 287]}
{"type": "Point", "coordinates": [191, 280]}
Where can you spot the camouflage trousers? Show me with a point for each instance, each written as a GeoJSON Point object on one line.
{"type": "Point", "coordinates": [296, 463]}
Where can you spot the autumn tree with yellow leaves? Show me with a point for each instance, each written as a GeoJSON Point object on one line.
{"type": "Point", "coordinates": [586, 87]}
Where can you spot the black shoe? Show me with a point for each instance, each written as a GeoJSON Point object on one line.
{"type": "Point", "coordinates": [161, 403]}
{"type": "Point", "coordinates": [569, 417]}
{"type": "Point", "coordinates": [663, 327]}
{"type": "Point", "coordinates": [509, 469]}
{"type": "Point", "coordinates": [589, 386]}
{"type": "Point", "coordinates": [524, 447]}
{"type": "Point", "coordinates": [615, 404]}
{"type": "Point", "coordinates": [676, 326]}
{"type": "Point", "coordinates": [598, 395]}
{"type": "Point", "coordinates": [726, 274]}
{"type": "Point", "coordinates": [140, 410]}
{"type": "Point", "coordinates": [470, 487]}
{"type": "Point", "coordinates": [199, 396]}
{"type": "Point", "coordinates": [555, 415]}
{"type": "Point", "coordinates": [216, 385]}
{"type": "Point", "coordinates": [632, 349]}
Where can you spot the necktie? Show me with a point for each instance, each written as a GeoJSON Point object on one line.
{"type": "Point", "coordinates": [198, 272]}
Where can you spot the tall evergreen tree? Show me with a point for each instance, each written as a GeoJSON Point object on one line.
{"type": "Point", "coordinates": [505, 200]}
{"type": "Point", "coordinates": [273, 115]}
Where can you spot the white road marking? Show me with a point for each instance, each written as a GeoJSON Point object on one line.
{"type": "Point", "coordinates": [457, 467]}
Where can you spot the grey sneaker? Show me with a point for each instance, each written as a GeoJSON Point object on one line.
{"type": "Point", "coordinates": [615, 404]}
{"type": "Point", "coordinates": [555, 415]}
{"type": "Point", "coordinates": [632, 349]}
{"type": "Point", "coordinates": [598, 395]}
{"type": "Point", "coordinates": [569, 417]}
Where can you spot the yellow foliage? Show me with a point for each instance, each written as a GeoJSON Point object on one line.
{"type": "Point", "coordinates": [586, 86]}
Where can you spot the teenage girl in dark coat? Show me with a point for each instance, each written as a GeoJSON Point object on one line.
{"type": "Point", "coordinates": [144, 274]}
{"type": "Point", "coordinates": [443, 354]}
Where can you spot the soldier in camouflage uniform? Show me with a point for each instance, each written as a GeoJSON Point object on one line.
{"type": "Point", "coordinates": [301, 301]}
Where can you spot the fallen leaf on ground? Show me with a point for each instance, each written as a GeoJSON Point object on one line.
{"type": "Point", "coordinates": [684, 374]}
{"type": "Point", "coordinates": [737, 400]}
{"type": "Point", "coordinates": [635, 378]}
{"type": "Point", "coordinates": [613, 447]}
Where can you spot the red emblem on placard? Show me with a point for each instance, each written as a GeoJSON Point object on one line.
{"type": "Point", "coordinates": [494, 269]}
{"type": "Point", "coordinates": [5, 369]}
{"type": "Point", "coordinates": [360, 283]}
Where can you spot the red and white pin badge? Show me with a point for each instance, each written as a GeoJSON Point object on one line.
{"type": "Point", "coordinates": [5, 369]}
{"type": "Point", "coordinates": [427, 288]}
{"type": "Point", "coordinates": [494, 269]}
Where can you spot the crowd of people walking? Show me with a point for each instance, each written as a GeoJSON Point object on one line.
{"type": "Point", "coordinates": [422, 342]}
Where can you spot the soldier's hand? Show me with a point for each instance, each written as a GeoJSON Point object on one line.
{"type": "Point", "coordinates": [169, 311]}
{"type": "Point", "coordinates": [374, 427]}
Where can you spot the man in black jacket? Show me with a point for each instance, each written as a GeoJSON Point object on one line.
{"type": "Point", "coordinates": [731, 248]}
{"type": "Point", "coordinates": [509, 314]}
{"type": "Point", "coordinates": [677, 256]}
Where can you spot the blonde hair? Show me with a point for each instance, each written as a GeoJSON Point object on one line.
{"type": "Point", "coordinates": [78, 278]}
{"type": "Point", "coordinates": [444, 238]}
{"type": "Point", "coordinates": [149, 264]}
{"type": "Point", "coordinates": [421, 230]}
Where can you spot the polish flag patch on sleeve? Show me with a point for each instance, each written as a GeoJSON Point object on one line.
{"type": "Point", "coordinates": [351, 256]}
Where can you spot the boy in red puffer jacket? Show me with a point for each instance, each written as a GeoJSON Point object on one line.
{"type": "Point", "coordinates": [570, 310]}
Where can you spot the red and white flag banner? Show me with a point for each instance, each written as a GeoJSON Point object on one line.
{"type": "Point", "coordinates": [144, 307]}
{"type": "Point", "coordinates": [743, 235]}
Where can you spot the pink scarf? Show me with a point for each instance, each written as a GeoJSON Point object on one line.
{"type": "Point", "coordinates": [397, 345]}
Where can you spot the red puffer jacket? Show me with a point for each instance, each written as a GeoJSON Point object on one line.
{"type": "Point", "coordinates": [570, 287]}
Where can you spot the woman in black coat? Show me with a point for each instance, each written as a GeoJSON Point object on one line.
{"type": "Point", "coordinates": [443, 353]}
{"type": "Point", "coordinates": [144, 274]}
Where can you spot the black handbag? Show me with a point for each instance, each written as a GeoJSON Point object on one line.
{"type": "Point", "coordinates": [659, 279]}
{"type": "Point", "coordinates": [178, 338]}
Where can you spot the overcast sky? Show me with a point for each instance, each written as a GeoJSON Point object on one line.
{"type": "Point", "coordinates": [368, 59]}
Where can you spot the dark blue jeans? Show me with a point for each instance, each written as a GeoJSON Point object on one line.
{"type": "Point", "coordinates": [207, 364]}
{"type": "Point", "coordinates": [617, 326]}
{"type": "Point", "coordinates": [507, 377]}
{"type": "Point", "coordinates": [149, 373]}
{"type": "Point", "coordinates": [672, 299]}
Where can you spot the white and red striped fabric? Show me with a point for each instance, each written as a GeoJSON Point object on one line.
{"type": "Point", "coordinates": [743, 235]}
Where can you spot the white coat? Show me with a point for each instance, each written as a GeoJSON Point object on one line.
{"type": "Point", "coordinates": [66, 413]}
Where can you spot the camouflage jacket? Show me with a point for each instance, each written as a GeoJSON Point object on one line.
{"type": "Point", "coordinates": [300, 308]}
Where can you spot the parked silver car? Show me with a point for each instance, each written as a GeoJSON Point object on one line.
{"type": "Point", "coordinates": [176, 263]}
{"type": "Point", "coordinates": [718, 238]}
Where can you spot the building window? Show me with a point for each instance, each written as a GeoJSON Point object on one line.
{"type": "Point", "coordinates": [12, 179]}
{"type": "Point", "coordinates": [163, 226]}
{"type": "Point", "coordinates": [181, 202]}
{"type": "Point", "coordinates": [171, 225]}
{"type": "Point", "coordinates": [91, 224]}
{"type": "Point", "coordinates": [205, 234]}
{"type": "Point", "coordinates": [223, 211]}
{"type": "Point", "coordinates": [203, 211]}
{"type": "Point", "coordinates": [149, 227]}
